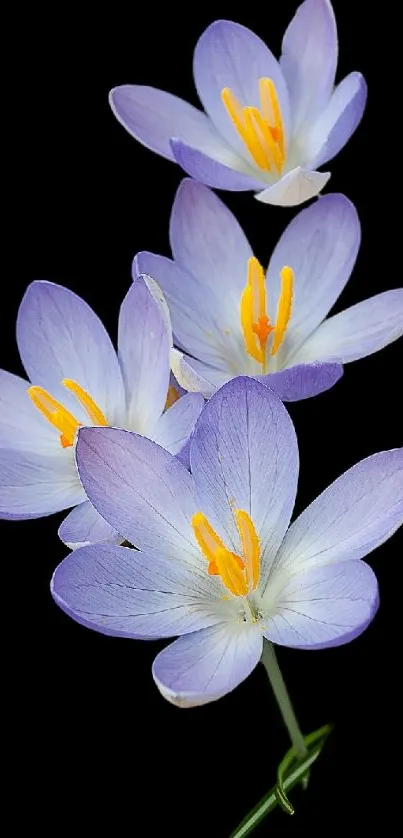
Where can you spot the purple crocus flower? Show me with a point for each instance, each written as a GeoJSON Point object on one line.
{"type": "Point", "coordinates": [218, 564]}
{"type": "Point", "coordinates": [268, 125]}
{"type": "Point", "coordinates": [229, 319]}
{"type": "Point", "coordinates": [78, 379]}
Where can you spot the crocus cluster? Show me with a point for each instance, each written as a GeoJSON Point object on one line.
{"type": "Point", "coordinates": [178, 444]}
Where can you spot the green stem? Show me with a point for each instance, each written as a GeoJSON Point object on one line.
{"type": "Point", "coordinates": [279, 688]}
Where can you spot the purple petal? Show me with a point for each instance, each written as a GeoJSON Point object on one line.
{"type": "Point", "coordinates": [153, 116]}
{"type": "Point", "coordinates": [59, 336]}
{"type": "Point", "coordinates": [302, 381]}
{"type": "Point", "coordinates": [325, 606]}
{"type": "Point", "coordinates": [358, 331]}
{"type": "Point", "coordinates": [352, 517]}
{"type": "Point", "coordinates": [321, 246]}
{"type": "Point", "coordinates": [294, 188]}
{"type": "Point", "coordinates": [309, 60]}
{"type": "Point", "coordinates": [34, 484]}
{"type": "Point", "coordinates": [339, 121]}
{"type": "Point", "coordinates": [125, 593]}
{"type": "Point", "coordinates": [223, 172]}
{"type": "Point", "coordinates": [22, 426]}
{"type": "Point", "coordinates": [195, 376]}
{"type": "Point", "coordinates": [208, 242]}
{"type": "Point", "coordinates": [144, 345]}
{"type": "Point", "coordinates": [141, 490]}
{"type": "Point", "coordinates": [84, 526]}
{"type": "Point", "coordinates": [175, 426]}
{"type": "Point", "coordinates": [230, 55]}
{"type": "Point", "coordinates": [244, 455]}
{"type": "Point", "coordinates": [206, 665]}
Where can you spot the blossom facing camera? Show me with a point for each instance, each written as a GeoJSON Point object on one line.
{"type": "Point", "coordinates": [230, 317]}
{"type": "Point", "coordinates": [267, 125]}
{"type": "Point", "coordinates": [76, 380]}
{"type": "Point", "coordinates": [219, 566]}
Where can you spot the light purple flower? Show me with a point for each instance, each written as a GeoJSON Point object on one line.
{"type": "Point", "coordinates": [205, 289]}
{"type": "Point", "coordinates": [78, 379]}
{"type": "Point", "coordinates": [219, 565]}
{"type": "Point", "coordinates": [268, 125]}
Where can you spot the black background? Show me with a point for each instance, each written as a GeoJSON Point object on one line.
{"type": "Point", "coordinates": [94, 744]}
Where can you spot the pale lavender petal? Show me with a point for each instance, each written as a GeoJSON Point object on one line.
{"type": "Point", "coordinates": [302, 381]}
{"type": "Point", "coordinates": [141, 490]}
{"type": "Point", "coordinates": [353, 516]}
{"type": "Point", "coordinates": [358, 331]}
{"type": "Point", "coordinates": [321, 246]}
{"type": "Point", "coordinates": [196, 377]}
{"type": "Point", "coordinates": [59, 336]}
{"type": "Point", "coordinates": [209, 243]}
{"type": "Point", "coordinates": [22, 426]}
{"type": "Point", "coordinates": [122, 592]}
{"type": "Point", "coordinates": [153, 116]}
{"type": "Point", "coordinates": [144, 343]}
{"type": "Point", "coordinates": [325, 606]}
{"type": "Point", "coordinates": [244, 455]}
{"type": "Point", "coordinates": [230, 55]}
{"type": "Point", "coordinates": [226, 173]}
{"type": "Point", "coordinates": [33, 484]}
{"type": "Point", "coordinates": [309, 60]}
{"type": "Point", "coordinates": [204, 666]}
{"type": "Point", "coordinates": [84, 526]}
{"type": "Point", "coordinates": [338, 121]}
{"type": "Point", "coordinates": [296, 187]}
{"type": "Point", "coordinates": [175, 426]}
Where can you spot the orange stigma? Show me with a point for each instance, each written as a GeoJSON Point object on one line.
{"type": "Point", "coordinates": [60, 417]}
{"type": "Point", "coordinates": [239, 574]}
{"type": "Point", "coordinates": [255, 321]}
{"type": "Point", "coordinates": [261, 129]}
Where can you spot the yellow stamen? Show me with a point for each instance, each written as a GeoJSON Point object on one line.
{"type": "Point", "coordinates": [250, 545]}
{"type": "Point", "coordinates": [254, 320]}
{"type": "Point", "coordinates": [239, 575]}
{"type": "Point", "coordinates": [59, 416]}
{"type": "Point", "coordinates": [284, 308]}
{"type": "Point", "coordinates": [87, 402]}
{"type": "Point", "coordinates": [261, 130]}
{"type": "Point", "coordinates": [172, 396]}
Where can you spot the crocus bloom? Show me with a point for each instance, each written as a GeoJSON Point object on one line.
{"type": "Point", "coordinates": [268, 125]}
{"type": "Point", "coordinates": [77, 379]}
{"type": "Point", "coordinates": [218, 565]}
{"type": "Point", "coordinates": [232, 320]}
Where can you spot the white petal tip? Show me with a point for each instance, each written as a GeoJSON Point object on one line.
{"type": "Point", "coordinates": [294, 188]}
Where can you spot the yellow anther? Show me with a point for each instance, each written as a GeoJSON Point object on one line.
{"type": "Point", "coordinates": [261, 130]}
{"type": "Point", "coordinates": [284, 308]}
{"type": "Point", "coordinates": [172, 396]}
{"type": "Point", "coordinates": [93, 411]}
{"type": "Point", "coordinates": [61, 418]}
{"type": "Point", "coordinates": [254, 320]}
{"type": "Point", "coordinates": [239, 574]}
{"type": "Point", "coordinates": [250, 545]}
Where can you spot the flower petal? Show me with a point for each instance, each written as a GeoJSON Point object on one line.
{"type": "Point", "coordinates": [144, 345]}
{"type": "Point", "coordinates": [209, 243]}
{"type": "Point", "coordinates": [21, 424]}
{"type": "Point", "coordinates": [175, 426]}
{"type": "Point", "coordinates": [59, 336]}
{"type": "Point", "coordinates": [244, 455]}
{"type": "Point", "coordinates": [204, 666]}
{"type": "Point", "coordinates": [358, 331]}
{"type": "Point", "coordinates": [84, 526]}
{"type": "Point", "coordinates": [353, 516]}
{"type": "Point", "coordinates": [141, 490]}
{"type": "Point", "coordinates": [192, 375]}
{"type": "Point", "coordinates": [230, 55]}
{"type": "Point", "coordinates": [338, 122]}
{"type": "Point", "coordinates": [122, 592]}
{"type": "Point", "coordinates": [33, 484]}
{"type": "Point", "coordinates": [296, 187]}
{"type": "Point", "coordinates": [321, 246]}
{"type": "Point", "coordinates": [309, 60]}
{"type": "Point", "coordinates": [221, 171]}
{"type": "Point", "coordinates": [302, 381]}
{"type": "Point", "coordinates": [325, 606]}
{"type": "Point", "coordinates": [153, 116]}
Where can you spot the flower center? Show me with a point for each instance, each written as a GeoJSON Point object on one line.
{"type": "Point", "coordinates": [261, 129]}
{"type": "Point", "coordinates": [60, 417]}
{"type": "Point", "coordinates": [255, 321]}
{"type": "Point", "coordinates": [239, 574]}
